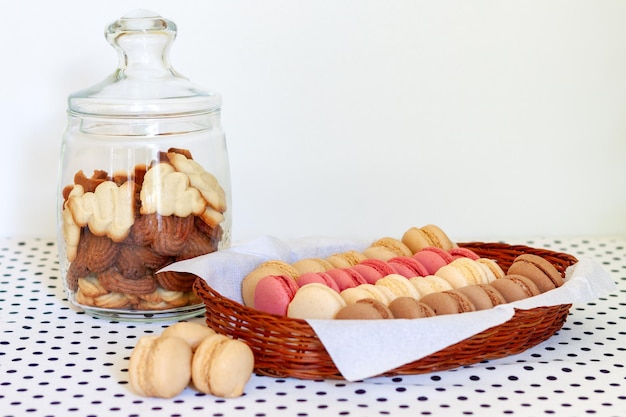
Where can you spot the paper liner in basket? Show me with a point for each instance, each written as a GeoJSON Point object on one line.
{"type": "Point", "coordinates": [366, 348]}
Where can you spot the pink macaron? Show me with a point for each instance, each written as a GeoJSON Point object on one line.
{"type": "Point", "coordinates": [381, 266]}
{"type": "Point", "coordinates": [345, 279]}
{"type": "Point", "coordinates": [370, 274]}
{"type": "Point", "coordinates": [433, 258]}
{"type": "Point", "coordinates": [463, 253]}
{"type": "Point", "coordinates": [320, 277]}
{"type": "Point", "coordinates": [273, 294]}
{"type": "Point", "coordinates": [408, 267]}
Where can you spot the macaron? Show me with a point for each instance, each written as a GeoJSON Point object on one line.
{"type": "Point", "coordinates": [394, 245]}
{"type": "Point", "coordinates": [430, 235]}
{"type": "Point", "coordinates": [429, 284]}
{"type": "Point", "coordinates": [448, 302]}
{"type": "Point", "coordinates": [381, 266]}
{"type": "Point", "coordinates": [370, 274]}
{"type": "Point", "coordinates": [462, 272]}
{"type": "Point", "coordinates": [433, 258]}
{"type": "Point", "coordinates": [306, 265]}
{"type": "Point", "coordinates": [320, 277]}
{"type": "Point", "coordinates": [415, 239]}
{"type": "Point", "coordinates": [192, 333]}
{"type": "Point", "coordinates": [354, 294]}
{"type": "Point", "coordinates": [491, 267]}
{"type": "Point", "coordinates": [463, 253]}
{"type": "Point", "coordinates": [409, 308]}
{"type": "Point", "coordinates": [399, 285]}
{"type": "Point", "coordinates": [222, 366]}
{"type": "Point", "coordinates": [379, 252]}
{"type": "Point", "coordinates": [160, 366]}
{"type": "Point", "coordinates": [539, 270]}
{"type": "Point", "coordinates": [315, 301]}
{"type": "Point", "coordinates": [438, 237]}
{"type": "Point", "coordinates": [515, 287]}
{"type": "Point", "coordinates": [274, 293]}
{"type": "Point", "coordinates": [273, 267]}
{"type": "Point", "coordinates": [407, 266]}
{"type": "Point", "coordinates": [345, 278]}
{"type": "Point", "coordinates": [483, 296]}
{"type": "Point", "coordinates": [364, 309]}
{"type": "Point", "coordinates": [345, 259]}
{"type": "Point", "coordinates": [403, 270]}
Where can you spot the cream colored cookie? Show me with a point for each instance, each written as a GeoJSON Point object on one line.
{"type": "Point", "coordinates": [108, 211]}
{"type": "Point", "coordinates": [91, 287]}
{"type": "Point", "coordinates": [71, 231]}
{"type": "Point", "coordinates": [168, 192]}
{"type": "Point", "coordinates": [205, 182]}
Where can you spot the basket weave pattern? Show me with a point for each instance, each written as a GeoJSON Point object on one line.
{"type": "Point", "coordinates": [286, 347]}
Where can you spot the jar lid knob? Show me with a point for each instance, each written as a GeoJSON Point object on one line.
{"type": "Point", "coordinates": [142, 39]}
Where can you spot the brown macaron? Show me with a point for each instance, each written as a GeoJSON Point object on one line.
{"type": "Point", "coordinates": [515, 287]}
{"type": "Point", "coordinates": [364, 309]}
{"type": "Point", "coordinates": [409, 308]}
{"type": "Point", "coordinates": [483, 296]}
{"type": "Point", "coordinates": [448, 302]}
{"type": "Point", "coordinates": [538, 269]}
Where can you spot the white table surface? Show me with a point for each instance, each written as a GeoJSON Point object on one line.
{"type": "Point", "coordinates": [58, 361]}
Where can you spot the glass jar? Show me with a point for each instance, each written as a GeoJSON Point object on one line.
{"type": "Point", "coordinates": [144, 181]}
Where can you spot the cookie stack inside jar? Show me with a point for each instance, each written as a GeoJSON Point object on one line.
{"type": "Point", "coordinates": [144, 181]}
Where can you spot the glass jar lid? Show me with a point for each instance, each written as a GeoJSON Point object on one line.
{"type": "Point", "coordinates": [144, 85]}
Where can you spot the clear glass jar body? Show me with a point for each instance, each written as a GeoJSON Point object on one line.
{"type": "Point", "coordinates": [135, 195]}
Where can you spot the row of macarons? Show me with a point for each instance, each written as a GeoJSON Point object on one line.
{"type": "Point", "coordinates": [322, 294]}
{"type": "Point", "coordinates": [352, 268]}
{"type": "Point", "coordinates": [528, 275]}
{"type": "Point", "coordinates": [413, 241]}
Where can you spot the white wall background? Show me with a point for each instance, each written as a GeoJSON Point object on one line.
{"type": "Point", "coordinates": [357, 118]}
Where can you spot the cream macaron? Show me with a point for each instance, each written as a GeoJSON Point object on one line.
{"type": "Point", "coordinates": [160, 366]}
{"type": "Point", "coordinates": [222, 366]}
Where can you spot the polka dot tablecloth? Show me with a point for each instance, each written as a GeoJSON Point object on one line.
{"type": "Point", "coordinates": [58, 361]}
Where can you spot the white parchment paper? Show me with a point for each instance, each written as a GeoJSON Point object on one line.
{"type": "Point", "coordinates": [365, 348]}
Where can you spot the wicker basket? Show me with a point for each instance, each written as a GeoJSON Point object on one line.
{"type": "Point", "coordinates": [286, 347]}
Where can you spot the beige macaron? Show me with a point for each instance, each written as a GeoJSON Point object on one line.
{"type": "Point", "coordinates": [354, 294]}
{"type": "Point", "coordinates": [399, 285]}
{"type": "Point", "coordinates": [222, 366]}
{"type": "Point", "coordinates": [394, 245]}
{"type": "Point", "coordinates": [429, 284]}
{"type": "Point", "coordinates": [315, 301]}
{"type": "Point", "coordinates": [307, 265]}
{"type": "Point", "coordinates": [346, 259]}
{"type": "Point", "coordinates": [160, 366]}
{"type": "Point", "coordinates": [379, 252]}
{"type": "Point", "coordinates": [417, 239]}
{"type": "Point", "coordinates": [192, 333]}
